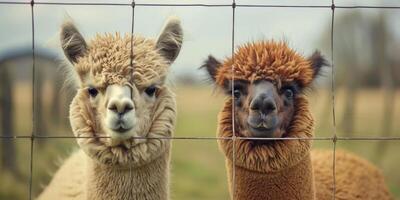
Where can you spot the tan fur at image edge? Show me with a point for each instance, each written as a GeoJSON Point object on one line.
{"type": "Point", "coordinates": [287, 169]}
{"type": "Point", "coordinates": [146, 173]}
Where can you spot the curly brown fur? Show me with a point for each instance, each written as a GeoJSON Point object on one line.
{"type": "Point", "coordinates": [356, 179]}
{"type": "Point", "coordinates": [267, 60]}
{"type": "Point", "coordinates": [282, 168]}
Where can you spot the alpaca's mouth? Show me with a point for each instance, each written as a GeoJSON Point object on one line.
{"type": "Point", "coordinates": [263, 131]}
{"type": "Point", "coordinates": [120, 126]}
{"type": "Point", "coordinates": [263, 127]}
{"type": "Point", "coordinates": [122, 130]}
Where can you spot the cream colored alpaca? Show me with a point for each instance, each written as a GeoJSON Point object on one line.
{"type": "Point", "coordinates": [113, 104]}
{"type": "Point", "coordinates": [269, 103]}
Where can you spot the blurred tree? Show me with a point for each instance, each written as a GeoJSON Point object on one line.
{"type": "Point", "coordinates": [362, 42]}
{"type": "Point", "coordinates": [8, 151]}
{"type": "Point", "coordinates": [385, 66]}
{"type": "Point", "coordinates": [348, 39]}
{"type": "Point", "coordinates": [40, 125]}
{"type": "Point", "coordinates": [56, 100]}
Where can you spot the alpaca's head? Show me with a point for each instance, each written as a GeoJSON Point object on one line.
{"type": "Point", "coordinates": [120, 88]}
{"type": "Point", "coordinates": [268, 79]}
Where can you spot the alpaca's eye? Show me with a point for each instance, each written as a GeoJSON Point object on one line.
{"type": "Point", "coordinates": [288, 93]}
{"type": "Point", "coordinates": [93, 92]}
{"type": "Point", "coordinates": [236, 94]}
{"type": "Point", "coordinates": [151, 90]}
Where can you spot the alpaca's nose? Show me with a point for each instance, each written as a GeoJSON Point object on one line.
{"type": "Point", "coordinates": [120, 106]}
{"type": "Point", "coordinates": [119, 99]}
{"type": "Point", "coordinates": [263, 103]}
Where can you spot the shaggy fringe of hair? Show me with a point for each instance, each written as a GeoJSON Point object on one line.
{"type": "Point", "coordinates": [266, 60]}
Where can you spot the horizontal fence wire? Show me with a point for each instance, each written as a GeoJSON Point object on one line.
{"type": "Point", "coordinates": [366, 138]}
{"type": "Point", "coordinates": [334, 138]}
{"type": "Point", "coordinates": [198, 5]}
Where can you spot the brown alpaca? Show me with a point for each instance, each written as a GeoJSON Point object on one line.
{"type": "Point", "coordinates": [269, 80]}
{"type": "Point", "coordinates": [119, 115]}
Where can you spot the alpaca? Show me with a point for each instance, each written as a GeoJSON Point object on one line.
{"type": "Point", "coordinates": [268, 102]}
{"type": "Point", "coordinates": [119, 116]}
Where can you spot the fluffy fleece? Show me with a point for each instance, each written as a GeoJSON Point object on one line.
{"type": "Point", "coordinates": [267, 60]}
{"type": "Point", "coordinates": [355, 178]}
{"type": "Point", "coordinates": [287, 169]}
{"type": "Point", "coordinates": [149, 67]}
{"type": "Point", "coordinates": [137, 168]}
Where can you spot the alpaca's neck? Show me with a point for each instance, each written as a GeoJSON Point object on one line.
{"type": "Point", "coordinates": [291, 183]}
{"type": "Point", "coordinates": [146, 182]}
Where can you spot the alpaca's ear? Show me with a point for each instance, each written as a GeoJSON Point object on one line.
{"type": "Point", "coordinates": [211, 64]}
{"type": "Point", "coordinates": [72, 42]}
{"type": "Point", "coordinates": [317, 62]}
{"type": "Point", "coordinates": [170, 40]}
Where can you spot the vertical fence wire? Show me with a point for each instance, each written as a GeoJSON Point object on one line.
{"type": "Point", "coordinates": [334, 136]}
{"type": "Point", "coordinates": [233, 101]}
{"type": "Point", "coordinates": [32, 3]}
{"type": "Point", "coordinates": [131, 59]}
{"type": "Point", "coordinates": [132, 30]}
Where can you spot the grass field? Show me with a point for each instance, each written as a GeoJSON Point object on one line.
{"type": "Point", "coordinates": [198, 168]}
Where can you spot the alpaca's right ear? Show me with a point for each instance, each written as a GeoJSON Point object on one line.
{"type": "Point", "coordinates": [169, 42]}
{"type": "Point", "coordinates": [317, 61]}
{"type": "Point", "coordinates": [211, 64]}
{"type": "Point", "coordinates": [72, 42]}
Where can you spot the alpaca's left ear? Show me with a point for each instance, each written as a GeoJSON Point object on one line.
{"type": "Point", "coordinates": [72, 42]}
{"type": "Point", "coordinates": [317, 62]}
{"type": "Point", "coordinates": [211, 64]}
{"type": "Point", "coordinates": [170, 40]}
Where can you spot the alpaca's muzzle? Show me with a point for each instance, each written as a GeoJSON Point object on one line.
{"type": "Point", "coordinates": [263, 117]}
{"type": "Point", "coordinates": [120, 111]}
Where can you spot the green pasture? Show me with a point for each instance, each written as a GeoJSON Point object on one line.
{"type": "Point", "coordinates": [198, 168]}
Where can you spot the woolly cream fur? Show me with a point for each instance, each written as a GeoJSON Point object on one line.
{"type": "Point", "coordinates": [132, 169]}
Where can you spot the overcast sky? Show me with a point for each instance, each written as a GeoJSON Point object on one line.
{"type": "Point", "coordinates": [207, 30]}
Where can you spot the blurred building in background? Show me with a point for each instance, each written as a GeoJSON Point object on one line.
{"type": "Point", "coordinates": [16, 99]}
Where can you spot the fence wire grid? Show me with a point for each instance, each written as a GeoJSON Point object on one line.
{"type": "Point", "coordinates": [333, 138]}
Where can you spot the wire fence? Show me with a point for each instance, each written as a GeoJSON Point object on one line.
{"type": "Point", "coordinates": [334, 138]}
